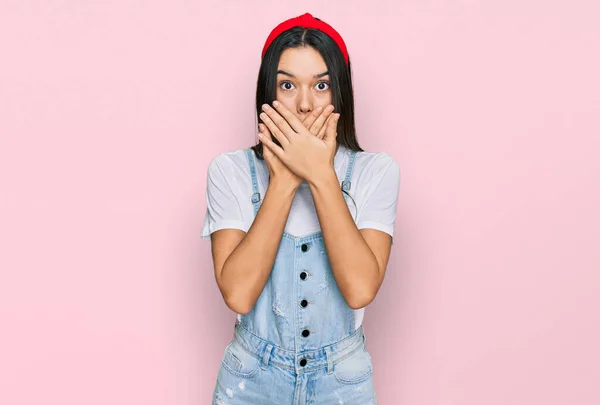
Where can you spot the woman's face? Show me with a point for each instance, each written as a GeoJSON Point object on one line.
{"type": "Point", "coordinates": [303, 81]}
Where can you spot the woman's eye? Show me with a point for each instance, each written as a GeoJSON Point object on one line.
{"type": "Point", "coordinates": [322, 86]}
{"type": "Point", "coordinates": [287, 86]}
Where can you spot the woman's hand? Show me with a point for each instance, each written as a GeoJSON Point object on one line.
{"type": "Point", "coordinates": [278, 172]}
{"type": "Point", "coordinates": [305, 154]}
{"type": "Point", "coordinates": [317, 121]}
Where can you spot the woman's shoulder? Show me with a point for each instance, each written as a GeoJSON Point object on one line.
{"type": "Point", "coordinates": [378, 174]}
{"type": "Point", "coordinates": [230, 161]}
{"type": "Point", "coordinates": [376, 162]}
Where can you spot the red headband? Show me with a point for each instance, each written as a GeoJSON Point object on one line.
{"type": "Point", "coordinates": [307, 21]}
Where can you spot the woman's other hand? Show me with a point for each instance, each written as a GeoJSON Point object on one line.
{"type": "Point", "coordinates": [317, 121]}
{"type": "Point", "coordinates": [278, 172]}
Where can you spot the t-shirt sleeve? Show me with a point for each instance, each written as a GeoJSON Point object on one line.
{"type": "Point", "coordinates": [222, 206]}
{"type": "Point", "coordinates": [379, 210]}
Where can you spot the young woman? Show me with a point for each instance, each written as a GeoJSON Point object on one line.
{"type": "Point", "coordinates": [301, 226]}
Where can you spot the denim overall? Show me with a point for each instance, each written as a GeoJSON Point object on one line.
{"type": "Point", "coordinates": [298, 345]}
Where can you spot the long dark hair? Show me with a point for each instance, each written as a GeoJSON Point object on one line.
{"type": "Point", "coordinates": [340, 80]}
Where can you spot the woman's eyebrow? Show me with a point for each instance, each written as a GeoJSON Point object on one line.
{"type": "Point", "coordinates": [283, 72]}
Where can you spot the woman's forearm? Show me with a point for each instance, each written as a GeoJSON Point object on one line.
{"type": "Point", "coordinates": [353, 263]}
{"type": "Point", "coordinates": [247, 269]}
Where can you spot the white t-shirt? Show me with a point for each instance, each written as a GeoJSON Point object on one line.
{"type": "Point", "coordinates": [375, 184]}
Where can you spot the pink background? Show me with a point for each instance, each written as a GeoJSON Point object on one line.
{"type": "Point", "coordinates": [110, 112]}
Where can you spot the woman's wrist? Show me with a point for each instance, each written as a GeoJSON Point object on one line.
{"type": "Point", "coordinates": [283, 188]}
{"type": "Point", "coordinates": [324, 178]}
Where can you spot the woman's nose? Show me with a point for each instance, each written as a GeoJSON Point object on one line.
{"type": "Point", "coordinates": [305, 103]}
{"type": "Point", "coordinates": [304, 109]}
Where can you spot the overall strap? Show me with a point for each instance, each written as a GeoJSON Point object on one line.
{"type": "Point", "coordinates": [255, 192]}
{"type": "Point", "coordinates": [346, 184]}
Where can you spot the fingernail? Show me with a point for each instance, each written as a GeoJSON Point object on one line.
{"type": "Point", "coordinates": [263, 115]}
{"type": "Point", "coordinates": [276, 103]}
{"type": "Point", "coordinates": [265, 107]}
{"type": "Point", "coordinates": [329, 108]}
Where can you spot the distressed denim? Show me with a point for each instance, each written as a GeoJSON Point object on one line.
{"type": "Point", "coordinates": [298, 345]}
